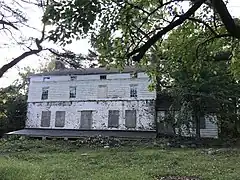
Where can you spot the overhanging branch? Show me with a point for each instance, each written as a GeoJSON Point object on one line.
{"type": "Point", "coordinates": [16, 60]}
{"type": "Point", "coordinates": [143, 49]}
{"type": "Point", "coordinates": [9, 65]}
{"type": "Point", "coordinates": [226, 18]}
{"type": "Point", "coordinates": [2, 22]}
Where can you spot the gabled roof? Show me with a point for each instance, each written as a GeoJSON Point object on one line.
{"type": "Point", "coordinates": [89, 71]}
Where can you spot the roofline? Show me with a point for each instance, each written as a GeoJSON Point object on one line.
{"type": "Point", "coordinates": [103, 71]}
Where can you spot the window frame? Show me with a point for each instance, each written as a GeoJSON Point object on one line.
{"type": "Point", "coordinates": [45, 93]}
{"type": "Point", "coordinates": [133, 91]}
{"type": "Point", "coordinates": [45, 78]}
{"type": "Point", "coordinates": [106, 91]}
{"type": "Point", "coordinates": [73, 77]}
{"type": "Point", "coordinates": [103, 77]}
{"type": "Point", "coordinates": [74, 88]}
{"type": "Point", "coordinates": [202, 123]}
{"type": "Point", "coordinates": [134, 75]}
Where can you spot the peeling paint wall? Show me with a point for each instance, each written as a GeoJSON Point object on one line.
{"type": "Point", "coordinates": [144, 113]}
{"type": "Point", "coordinates": [210, 130]}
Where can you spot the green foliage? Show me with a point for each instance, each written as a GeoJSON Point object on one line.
{"type": "Point", "coordinates": [116, 28]}
{"type": "Point", "coordinates": [72, 18]}
{"type": "Point", "coordinates": [197, 79]}
{"type": "Point", "coordinates": [13, 109]}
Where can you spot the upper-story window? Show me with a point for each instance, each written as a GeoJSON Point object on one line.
{"type": "Point", "coordinates": [73, 78]}
{"type": "Point", "coordinates": [102, 91]}
{"type": "Point", "coordinates": [103, 77]}
{"type": "Point", "coordinates": [46, 78]}
{"type": "Point", "coordinates": [133, 90]}
{"type": "Point", "coordinates": [134, 75]}
{"type": "Point", "coordinates": [72, 91]}
{"type": "Point", "coordinates": [45, 93]}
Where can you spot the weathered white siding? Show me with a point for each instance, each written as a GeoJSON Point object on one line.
{"type": "Point", "coordinates": [211, 127]}
{"type": "Point", "coordinates": [144, 113]}
{"type": "Point", "coordinates": [210, 130]}
{"type": "Point", "coordinates": [118, 87]}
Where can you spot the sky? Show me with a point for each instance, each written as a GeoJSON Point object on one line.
{"type": "Point", "coordinates": [34, 14]}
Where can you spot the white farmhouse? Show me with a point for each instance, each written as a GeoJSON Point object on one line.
{"type": "Point", "coordinates": [67, 102]}
{"type": "Point", "coordinates": [93, 98]}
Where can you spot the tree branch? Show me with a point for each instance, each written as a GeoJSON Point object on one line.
{"type": "Point", "coordinates": [204, 23]}
{"type": "Point", "coordinates": [8, 24]}
{"type": "Point", "coordinates": [137, 7]}
{"type": "Point", "coordinates": [38, 42]}
{"type": "Point", "coordinates": [143, 49]}
{"type": "Point", "coordinates": [226, 18]}
{"type": "Point", "coordinates": [9, 65]}
{"type": "Point", "coordinates": [154, 11]}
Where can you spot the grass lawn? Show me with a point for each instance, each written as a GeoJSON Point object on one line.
{"type": "Point", "coordinates": [57, 160]}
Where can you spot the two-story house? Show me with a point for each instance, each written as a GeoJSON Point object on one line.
{"type": "Point", "coordinates": [93, 98]}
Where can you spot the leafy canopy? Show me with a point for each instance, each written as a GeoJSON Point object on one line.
{"type": "Point", "coordinates": [130, 29]}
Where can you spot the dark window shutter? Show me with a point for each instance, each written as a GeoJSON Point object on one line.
{"type": "Point", "coordinates": [113, 118]}
{"type": "Point", "coordinates": [45, 119]}
{"type": "Point", "coordinates": [130, 118]}
{"type": "Point", "coordinates": [60, 119]}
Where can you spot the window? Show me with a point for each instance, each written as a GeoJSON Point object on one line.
{"type": "Point", "coordinates": [113, 118]}
{"type": "Point", "coordinates": [133, 90]}
{"type": "Point", "coordinates": [134, 75]}
{"type": "Point", "coordinates": [130, 118]}
{"type": "Point", "coordinates": [45, 93]}
{"type": "Point", "coordinates": [202, 122]}
{"type": "Point", "coordinates": [103, 77]}
{"type": "Point", "coordinates": [45, 119]}
{"type": "Point", "coordinates": [72, 91]}
{"type": "Point", "coordinates": [73, 78]}
{"type": "Point", "coordinates": [46, 78]}
{"type": "Point", "coordinates": [60, 119]}
{"type": "Point", "coordinates": [102, 91]}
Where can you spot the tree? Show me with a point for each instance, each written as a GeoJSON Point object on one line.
{"type": "Point", "coordinates": [13, 109]}
{"type": "Point", "coordinates": [120, 30]}
{"type": "Point", "coordinates": [199, 84]}
{"type": "Point", "coordinates": [13, 18]}
{"type": "Point", "coordinates": [14, 30]}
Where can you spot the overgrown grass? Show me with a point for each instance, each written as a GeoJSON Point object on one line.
{"type": "Point", "coordinates": [59, 160]}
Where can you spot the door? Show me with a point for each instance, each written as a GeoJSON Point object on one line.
{"type": "Point", "coordinates": [86, 120]}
